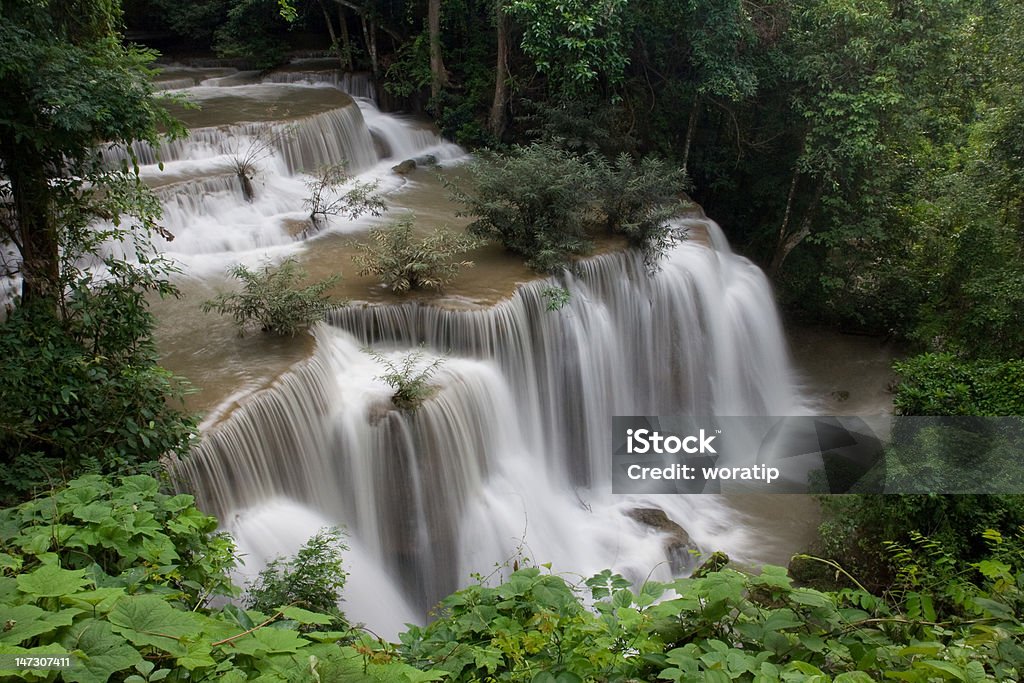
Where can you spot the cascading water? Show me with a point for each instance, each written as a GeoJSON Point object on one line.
{"type": "Point", "coordinates": [513, 450]}
{"type": "Point", "coordinates": [280, 133]}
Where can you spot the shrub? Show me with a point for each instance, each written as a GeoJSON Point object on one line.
{"type": "Point", "coordinates": [312, 579]}
{"type": "Point", "coordinates": [121, 576]}
{"type": "Point", "coordinates": [404, 262]}
{"type": "Point", "coordinates": [556, 297]}
{"type": "Point", "coordinates": [533, 200]}
{"type": "Point", "coordinates": [409, 378]}
{"type": "Point", "coordinates": [245, 160]}
{"type": "Point", "coordinates": [942, 384]}
{"type": "Point", "coordinates": [83, 392]}
{"type": "Point", "coordinates": [639, 199]}
{"type": "Point", "coordinates": [272, 299]}
{"type": "Point", "coordinates": [326, 199]}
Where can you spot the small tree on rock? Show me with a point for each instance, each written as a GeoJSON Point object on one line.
{"type": "Point", "coordinates": [405, 262]}
{"type": "Point", "coordinates": [272, 299]}
{"type": "Point", "coordinates": [327, 199]}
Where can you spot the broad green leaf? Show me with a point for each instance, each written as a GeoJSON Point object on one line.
{"type": "Point", "coordinates": [101, 600]}
{"type": "Point", "coordinates": [945, 667]}
{"type": "Point", "coordinates": [28, 621]}
{"type": "Point", "coordinates": [928, 649]}
{"type": "Point", "coordinates": [267, 641]}
{"type": "Point", "coordinates": [148, 620]}
{"type": "Point", "coordinates": [52, 581]}
{"type": "Point", "coordinates": [102, 651]}
{"type": "Point", "coordinates": [853, 677]}
{"type": "Point", "coordinates": [30, 674]}
{"type": "Point", "coordinates": [305, 616]}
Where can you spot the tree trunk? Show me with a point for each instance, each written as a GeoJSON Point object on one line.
{"type": "Point", "coordinates": [346, 42]}
{"type": "Point", "coordinates": [691, 127]}
{"type": "Point", "coordinates": [37, 229]}
{"type": "Point", "coordinates": [335, 45]}
{"type": "Point", "coordinates": [370, 37]}
{"type": "Point", "coordinates": [788, 242]}
{"type": "Point", "coordinates": [496, 121]}
{"type": "Point", "coordinates": [438, 75]}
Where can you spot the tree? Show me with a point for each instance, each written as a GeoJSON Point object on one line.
{"type": "Point", "coordinates": [311, 579]}
{"type": "Point", "coordinates": [578, 45]}
{"type": "Point", "coordinates": [638, 199]}
{"type": "Point", "coordinates": [404, 262]}
{"type": "Point", "coordinates": [69, 85]}
{"type": "Point", "coordinates": [81, 385]}
{"type": "Point", "coordinates": [326, 199]}
{"type": "Point", "coordinates": [272, 299]}
{"type": "Point", "coordinates": [534, 200]}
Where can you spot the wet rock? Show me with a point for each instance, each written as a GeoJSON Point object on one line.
{"type": "Point", "coordinates": [678, 545]}
{"type": "Point", "coordinates": [405, 168]}
{"type": "Point", "coordinates": [426, 160]}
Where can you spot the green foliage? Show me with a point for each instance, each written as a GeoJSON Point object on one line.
{"type": "Point", "coordinates": [253, 30]}
{"type": "Point", "coordinates": [859, 531]}
{"type": "Point", "coordinates": [577, 45]}
{"type": "Point", "coordinates": [121, 576]}
{"type": "Point", "coordinates": [272, 298]}
{"type": "Point", "coordinates": [312, 579]}
{"type": "Point", "coordinates": [557, 297]}
{"type": "Point", "coordinates": [638, 199]}
{"type": "Point", "coordinates": [327, 199]}
{"type": "Point", "coordinates": [404, 262]}
{"type": "Point", "coordinates": [942, 384]}
{"type": "Point", "coordinates": [724, 626]}
{"type": "Point", "coordinates": [83, 391]}
{"type": "Point", "coordinates": [534, 201]}
{"type": "Point", "coordinates": [410, 378]}
{"type": "Point", "coordinates": [542, 202]}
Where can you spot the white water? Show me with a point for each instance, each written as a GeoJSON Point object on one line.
{"type": "Point", "coordinates": [290, 130]}
{"type": "Point", "coordinates": [513, 450]}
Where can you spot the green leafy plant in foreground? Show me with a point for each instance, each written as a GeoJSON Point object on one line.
{"type": "Point", "coordinates": [273, 299]}
{"type": "Point", "coordinates": [121, 576]}
{"type": "Point", "coordinates": [312, 579]}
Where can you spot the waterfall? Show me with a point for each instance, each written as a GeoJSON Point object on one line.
{"type": "Point", "coordinates": [281, 133]}
{"type": "Point", "coordinates": [513, 449]}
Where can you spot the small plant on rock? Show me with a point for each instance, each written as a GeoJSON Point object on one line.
{"type": "Point", "coordinates": [326, 197]}
{"type": "Point", "coordinates": [273, 299]}
{"type": "Point", "coordinates": [409, 377]}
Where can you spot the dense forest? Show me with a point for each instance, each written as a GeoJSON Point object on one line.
{"type": "Point", "coordinates": [867, 154]}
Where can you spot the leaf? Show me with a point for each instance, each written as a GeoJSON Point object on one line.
{"type": "Point", "coordinates": [104, 653]}
{"type": "Point", "coordinates": [944, 667]}
{"type": "Point", "coordinates": [148, 620]}
{"type": "Point", "coordinates": [781, 619]}
{"type": "Point", "coordinates": [267, 641]}
{"type": "Point", "coordinates": [305, 616]}
{"type": "Point", "coordinates": [51, 581]}
{"type": "Point", "coordinates": [101, 600]}
{"type": "Point", "coordinates": [30, 621]}
{"type": "Point", "coordinates": [853, 677]}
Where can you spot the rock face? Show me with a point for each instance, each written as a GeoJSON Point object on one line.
{"type": "Point", "coordinates": [405, 168]}
{"type": "Point", "coordinates": [678, 545]}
